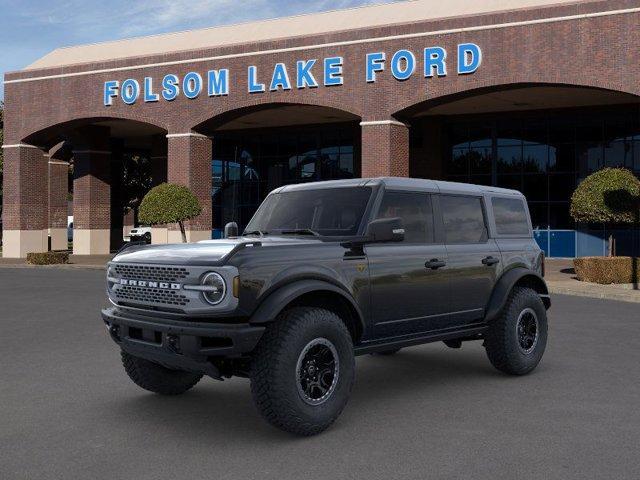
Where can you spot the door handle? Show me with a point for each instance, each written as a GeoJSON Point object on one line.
{"type": "Point", "coordinates": [489, 261]}
{"type": "Point", "coordinates": [435, 264]}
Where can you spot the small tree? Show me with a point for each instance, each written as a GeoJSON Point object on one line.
{"type": "Point", "coordinates": [609, 196]}
{"type": "Point", "coordinates": [169, 203]}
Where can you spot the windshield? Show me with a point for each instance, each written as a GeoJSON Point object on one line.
{"type": "Point", "coordinates": [330, 212]}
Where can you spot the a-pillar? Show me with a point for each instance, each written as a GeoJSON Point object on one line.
{"type": "Point", "coordinates": [58, 191]}
{"type": "Point", "coordinates": [159, 233]}
{"type": "Point", "coordinates": [24, 200]}
{"type": "Point", "coordinates": [92, 192]}
{"type": "Point", "coordinates": [189, 164]}
{"type": "Point", "coordinates": [385, 149]}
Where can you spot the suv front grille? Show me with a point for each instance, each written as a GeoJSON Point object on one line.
{"type": "Point", "coordinates": [144, 295]}
{"type": "Point", "coordinates": [150, 295]}
{"type": "Point", "coordinates": [152, 273]}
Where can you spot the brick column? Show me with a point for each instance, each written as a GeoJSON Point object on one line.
{"type": "Point", "coordinates": [92, 192]}
{"type": "Point", "coordinates": [58, 190]}
{"type": "Point", "coordinates": [24, 200]}
{"type": "Point", "coordinates": [159, 233]}
{"type": "Point", "coordinates": [385, 149]}
{"type": "Point", "coordinates": [189, 164]}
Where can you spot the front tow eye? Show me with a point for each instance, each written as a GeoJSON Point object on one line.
{"type": "Point", "coordinates": [172, 343]}
{"type": "Point", "coordinates": [114, 331]}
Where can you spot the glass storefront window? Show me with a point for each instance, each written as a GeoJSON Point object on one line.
{"type": "Point", "coordinates": [249, 164]}
{"type": "Point", "coordinates": [535, 158]}
{"type": "Point", "coordinates": [480, 160]}
{"type": "Point", "coordinates": [618, 154]}
{"type": "Point", "coordinates": [543, 154]}
{"type": "Point", "coordinates": [510, 159]}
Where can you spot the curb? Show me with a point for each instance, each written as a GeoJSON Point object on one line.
{"type": "Point", "coordinates": [615, 296]}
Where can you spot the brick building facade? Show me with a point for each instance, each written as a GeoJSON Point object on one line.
{"type": "Point", "coordinates": [395, 84]}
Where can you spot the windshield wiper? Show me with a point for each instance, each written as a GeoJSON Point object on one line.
{"type": "Point", "coordinates": [300, 231]}
{"type": "Point", "coordinates": [255, 232]}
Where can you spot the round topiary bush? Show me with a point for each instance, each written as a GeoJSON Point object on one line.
{"type": "Point", "coordinates": [169, 203]}
{"type": "Point", "coordinates": [609, 195]}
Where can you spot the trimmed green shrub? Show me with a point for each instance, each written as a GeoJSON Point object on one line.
{"type": "Point", "coordinates": [169, 203]}
{"type": "Point", "coordinates": [607, 270]}
{"type": "Point", "coordinates": [48, 258]}
{"type": "Point", "coordinates": [609, 196]}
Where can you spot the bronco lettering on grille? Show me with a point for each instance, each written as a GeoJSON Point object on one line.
{"type": "Point", "coordinates": [149, 284]}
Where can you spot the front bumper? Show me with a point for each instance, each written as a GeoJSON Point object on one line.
{"type": "Point", "coordinates": [178, 344]}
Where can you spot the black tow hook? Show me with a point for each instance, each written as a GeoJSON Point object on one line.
{"type": "Point", "coordinates": [172, 343]}
{"type": "Point", "coordinates": [114, 331]}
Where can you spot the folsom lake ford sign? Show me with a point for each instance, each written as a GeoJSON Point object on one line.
{"type": "Point", "coordinates": [309, 73]}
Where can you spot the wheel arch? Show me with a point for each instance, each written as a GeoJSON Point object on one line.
{"type": "Point", "coordinates": [312, 293]}
{"type": "Point", "coordinates": [515, 277]}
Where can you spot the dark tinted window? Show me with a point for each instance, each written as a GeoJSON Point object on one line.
{"type": "Point", "coordinates": [415, 211]}
{"type": "Point", "coordinates": [510, 215]}
{"type": "Point", "coordinates": [463, 219]}
{"type": "Point", "coordinates": [327, 211]}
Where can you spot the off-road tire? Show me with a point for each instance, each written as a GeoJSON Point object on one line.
{"type": "Point", "coordinates": [274, 375]}
{"type": "Point", "coordinates": [156, 378]}
{"type": "Point", "coordinates": [501, 340]}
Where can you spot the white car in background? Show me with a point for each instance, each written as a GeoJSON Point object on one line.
{"type": "Point", "coordinates": [140, 234]}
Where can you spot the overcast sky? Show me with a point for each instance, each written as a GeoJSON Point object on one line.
{"type": "Point", "coordinates": [31, 28]}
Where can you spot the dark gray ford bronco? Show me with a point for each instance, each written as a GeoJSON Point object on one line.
{"type": "Point", "coordinates": [326, 271]}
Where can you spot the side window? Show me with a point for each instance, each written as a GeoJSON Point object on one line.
{"type": "Point", "coordinates": [463, 219]}
{"type": "Point", "coordinates": [510, 215]}
{"type": "Point", "coordinates": [415, 211]}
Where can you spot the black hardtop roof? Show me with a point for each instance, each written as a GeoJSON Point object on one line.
{"type": "Point", "coordinates": [437, 186]}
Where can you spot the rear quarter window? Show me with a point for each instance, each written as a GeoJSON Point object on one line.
{"type": "Point", "coordinates": [510, 215]}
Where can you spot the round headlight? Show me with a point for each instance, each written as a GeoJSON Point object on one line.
{"type": "Point", "coordinates": [215, 288]}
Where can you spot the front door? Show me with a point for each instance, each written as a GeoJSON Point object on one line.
{"type": "Point", "coordinates": [473, 259]}
{"type": "Point", "coordinates": [409, 280]}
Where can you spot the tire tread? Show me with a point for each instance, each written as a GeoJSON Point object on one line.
{"type": "Point", "coordinates": [270, 394]}
{"type": "Point", "coordinates": [156, 378]}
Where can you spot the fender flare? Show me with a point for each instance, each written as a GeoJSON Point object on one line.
{"type": "Point", "coordinates": [273, 304]}
{"type": "Point", "coordinates": [505, 284]}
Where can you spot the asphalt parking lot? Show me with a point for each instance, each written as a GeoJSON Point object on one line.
{"type": "Point", "coordinates": [67, 409]}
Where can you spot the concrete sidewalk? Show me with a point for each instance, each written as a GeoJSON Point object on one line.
{"type": "Point", "coordinates": [561, 279]}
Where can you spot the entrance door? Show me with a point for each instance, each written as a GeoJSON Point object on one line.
{"type": "Point", "coordinates": [409, 280]}
{"type": "Point", "coordinates": [474, 259]}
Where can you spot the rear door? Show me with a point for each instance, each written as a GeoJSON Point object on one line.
{"type": "Point", "coordinates": [474, 258]}
{"type": "Point", "coordinates": [409, 281]}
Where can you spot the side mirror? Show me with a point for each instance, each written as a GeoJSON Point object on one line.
{"type": "Point", "coordinates": [231, 230]}
{"type": "Point", "coordinates": [385, 230]}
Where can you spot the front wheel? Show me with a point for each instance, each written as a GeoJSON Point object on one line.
{"type": "Point", "coordinates": [515, 342]}
{"type": "Point", "coordinates": [302, 370]}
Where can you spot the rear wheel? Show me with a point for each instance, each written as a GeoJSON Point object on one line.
{"type": "Point", "coordinates": [515, 342]}
{"type": "Point", "coordinates": [302, 370]}
{"type": "Point", "coordinates": [156, 378]}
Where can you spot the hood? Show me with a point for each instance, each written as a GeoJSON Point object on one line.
{"type": "Point", "coordinates": [207, 252]}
